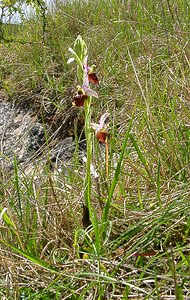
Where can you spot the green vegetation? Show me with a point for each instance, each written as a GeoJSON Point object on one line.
{"type": "Point", "coordinates": [139, 246]}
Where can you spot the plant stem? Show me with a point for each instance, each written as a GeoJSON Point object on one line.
{"type": "Point", "coordinates": [107, 158]}
{"type": "Point", "coordinates": [88, 134]}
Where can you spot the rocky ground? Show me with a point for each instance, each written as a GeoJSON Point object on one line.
{"type": "Point", "coordinates": [23, 137]}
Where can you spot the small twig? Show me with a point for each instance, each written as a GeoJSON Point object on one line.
{"type": "Point", "coordinates": [101, 203]}
{"type": "Point", "coordinates": [107, 158]}
{"type": "Point", "coordinates": [174, 273]}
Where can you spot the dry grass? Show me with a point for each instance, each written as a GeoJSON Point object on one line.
{"type": "Point", "coordinates": [143, 251]}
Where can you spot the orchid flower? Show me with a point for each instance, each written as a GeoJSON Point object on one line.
{"type": "Point", "coordinates": [79, 97]}
{"type": "Point", "coordinates": [87, 80]}
{"type": "Point", "coordinates": [84, 92]}
{"type": "Point", "coordinates": [89, 74]}
{"type": "Point", "coordinates": [101, 128]}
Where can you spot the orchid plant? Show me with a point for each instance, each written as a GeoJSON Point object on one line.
{"type": "Point", "coordinates": [83, 98]}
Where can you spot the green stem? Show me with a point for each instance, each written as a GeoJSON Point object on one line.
{"type": "Point", "coordinates": [88, 134]}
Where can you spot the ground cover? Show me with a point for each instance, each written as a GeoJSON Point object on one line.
{"type": "Point", "coordinates": [142, 249]}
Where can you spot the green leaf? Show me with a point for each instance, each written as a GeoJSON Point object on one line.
{"type": "Point", "coordinates": [33, 259]}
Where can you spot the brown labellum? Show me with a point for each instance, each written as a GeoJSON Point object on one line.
{"type": "Point", "coordinates": [101, 136]}
{"type": "Point", "coordinates": [92, 77]}
{"type": "Point", "coordinates": [79, 99]}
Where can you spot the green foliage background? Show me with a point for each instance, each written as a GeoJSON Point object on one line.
{"type": "Point", "coordinates": [142, 54]}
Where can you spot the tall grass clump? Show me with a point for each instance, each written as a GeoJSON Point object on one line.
{"type": "Point", "coordinates": [112, 223]}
